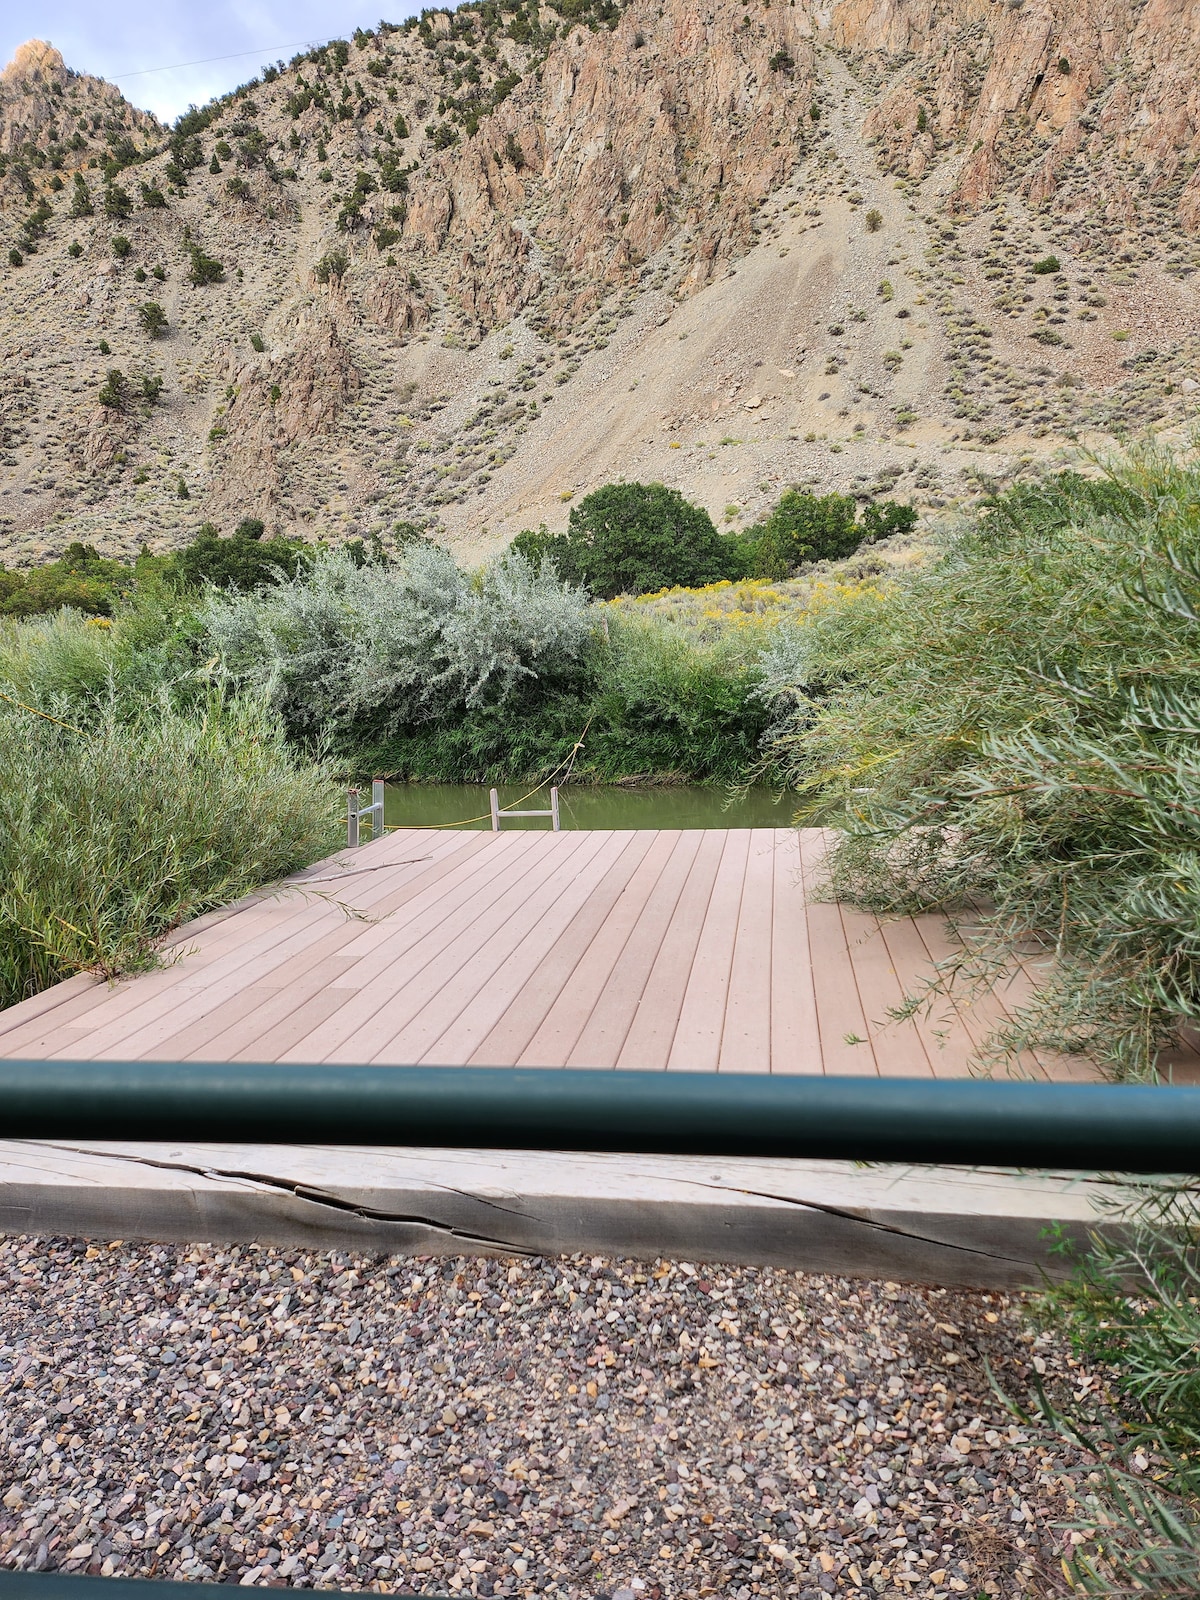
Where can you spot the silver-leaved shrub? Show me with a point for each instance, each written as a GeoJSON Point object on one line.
{"type": "Point", "coordinates": [391, 646]}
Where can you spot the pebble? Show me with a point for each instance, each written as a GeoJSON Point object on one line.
{"type": "Point", "coordinates": [581, 1427]}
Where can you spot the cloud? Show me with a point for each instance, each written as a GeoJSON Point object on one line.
{"type": "Point", "coordinates": [178, 42]}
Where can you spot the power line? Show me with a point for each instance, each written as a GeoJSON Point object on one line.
{"type": "Point", "coordinates": [303, 44]}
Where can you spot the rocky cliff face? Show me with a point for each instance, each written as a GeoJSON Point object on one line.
{"type": "Point", "coordinates": [52, 119]}
{"type": "Point", "coordinates": [461, 271]}
{"type": "Point", "coordinates": [1093, 106]}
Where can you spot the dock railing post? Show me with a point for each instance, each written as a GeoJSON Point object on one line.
{"type": "Point", "coordinates": [352, 798]}
{"type": "Point", "coordinates": [495, 799]}
{"type": "Point", "coordinates": [557, 826]}
{"type": "Point", "coordinates": [377, 788]}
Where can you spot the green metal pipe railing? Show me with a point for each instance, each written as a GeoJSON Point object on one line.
{"type": "Point", "coordinates": [1083, 1127]}
{"type": "Point", "coordinates": [77, 1586]}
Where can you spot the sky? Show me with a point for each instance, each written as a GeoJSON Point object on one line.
{"type": "Point", "coordinates": [162, 56]}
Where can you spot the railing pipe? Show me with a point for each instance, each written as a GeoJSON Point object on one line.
{"type": "Point", "coordinates": [75, 1586]}
{"type": "Point", "coordinates": [1084, 1127]}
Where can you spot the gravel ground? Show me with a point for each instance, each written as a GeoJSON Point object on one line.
{"type": "Point", "coordinates": [535, 1427]}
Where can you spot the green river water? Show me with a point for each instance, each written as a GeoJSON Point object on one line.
{"type": "Point", "coordinates": [417, 805]}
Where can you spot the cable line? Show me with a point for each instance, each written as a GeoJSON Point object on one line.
{"type": "Point", "coordinates": [141, 72]}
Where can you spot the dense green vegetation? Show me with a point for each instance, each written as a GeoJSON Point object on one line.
{"type": "Point", "coordinates": [807, 527]}
{"type": "Point", "coordinates": [132, 797]}
{"type": "Point", "coordinates": [637, 538]}
{"type": "Point", "coordinates": [80, 579]}
{"type": "Point", "coordinates": [633, 538]}
{"type": "Point", "coordinates": [96, 585]}
{"type": "Point", "coordinates": [421, 671]}
{"type": "Point", "coordinates": [1016, 723]}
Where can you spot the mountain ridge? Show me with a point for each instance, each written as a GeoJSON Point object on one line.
{"type": "Point", "coordinates": [464, 270]}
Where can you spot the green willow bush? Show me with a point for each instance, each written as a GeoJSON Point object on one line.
{"type": "Point", "coordinates": [668, 702]}
{"type": "Point", "coordinates": [1017, 724]}
{"type": "Point", "coordinates": [112, 835]}
{"type": "Point", "coordinates": [1132, 1309]}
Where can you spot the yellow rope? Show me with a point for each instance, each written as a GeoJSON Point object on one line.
{"type": "Point", "coordinates": [34, 712]}
{"type": "Point", "coordinates": [568, 762]}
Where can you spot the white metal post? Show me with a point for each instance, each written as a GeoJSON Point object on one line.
{"type": "Point", "coordinates": [495, 798]}
{"type": "Point", "coordinates": [377, 787]}
{"type": "Point", "coordinates": [557, 826]}
{"type": "Point", "coordinates": [352, 817]}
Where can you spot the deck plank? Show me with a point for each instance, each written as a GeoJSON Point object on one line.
{"type": "Point", "coordinates": [899, 1047]}
{"type": "Point", "coordinates": [840, 1015]}
{"type": "Point", "coordinates": [523, 968]}
{"type": "Point", "coordinates": [456, 998]}
{"type": "Point", "coordinates": [554, 1042]}
{"type": "Point", "coordinates": [746, 1035]}
{"type": "Point", "coordinates": [509, 1037]}
{"type": "Point", "coordinates": [385, 956]}
{"type": "Point", "coordinates": [559, 1039]}
{"type": "Point", "coordinates": [652, 1032]}
{"type": "Point", "coordinates": [795, 1032]}
{"type": "Point", "coordinates": [697, 1043]}
{"type": "Point", "coordinates": [606, 1030]}
{"type": "Point", "coordinates": [281, 945]}
{"type": "Point", "coordinates": [440, 960]}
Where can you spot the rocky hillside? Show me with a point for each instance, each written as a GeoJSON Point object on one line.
{"type": "Point", "coordinates": [457, 272]}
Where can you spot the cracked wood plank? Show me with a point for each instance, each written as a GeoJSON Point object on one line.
{"type": "Point", "coordinates": [952, 1226]}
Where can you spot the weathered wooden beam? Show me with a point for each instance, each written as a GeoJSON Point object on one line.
{"type": "Point", "coordinates": [952, 1226]}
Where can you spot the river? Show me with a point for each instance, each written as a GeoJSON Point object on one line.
{"type": "Point", "coordinates": [417, 805]}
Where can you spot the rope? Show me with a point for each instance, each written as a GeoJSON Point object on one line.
{"type": "Point", "coordinates": [34, 712]}
{"type": "Point", "coordinates": [568, 762]}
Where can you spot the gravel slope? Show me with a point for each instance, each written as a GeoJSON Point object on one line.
{"type": "Point", "coordinates": [576, 1427]}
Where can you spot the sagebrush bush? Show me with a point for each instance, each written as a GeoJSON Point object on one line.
{"type": "Point", "coordinates": [1017, 724]}
{"type": "Point", "coordinates": [355, 649]}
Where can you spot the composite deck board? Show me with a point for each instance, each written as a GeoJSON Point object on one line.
{"type": "Point", "coordinates": [673, 950]}
{"type": "Point", "coordinates": [283, 939]}
{"type": "Point", "coordinates": [899, 1049]}
{"type": "Point", "coordinates": [795, 1033]}
{"type": "Point", "coordinates": [524, 963]}
{"type": "Point", "coordinates": [447, 958]}
{"type": "Point", "coordinates": [607, 1029]}
{"type": "Point", "coordinates": [966, 1021]}
{"type": "Point", "coordinates": [652, 1032]}
{"type": "Point", "coordinates": [455, 991]}
{"type": "Point", "coordinates": [557, 1040]}
{"type": "Point", "coordinates": [509, 1037]}
{"type": "Point", "coordinates": [697, 1043]}
{"type": "Point", "coordinates": [746, 1027]}
{"type": "Point", "coordinates": [387, 955]}
{"type": "Point", "coordinates": [846, 1047]}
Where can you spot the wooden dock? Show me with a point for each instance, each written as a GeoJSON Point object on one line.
{"type": "Point", "coordinates": [657, 951]}
{"type": "Point", "coordinates": [653, 950]}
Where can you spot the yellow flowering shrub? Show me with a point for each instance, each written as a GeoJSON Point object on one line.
{"type": "Point", "coordinates": [750, 606]}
